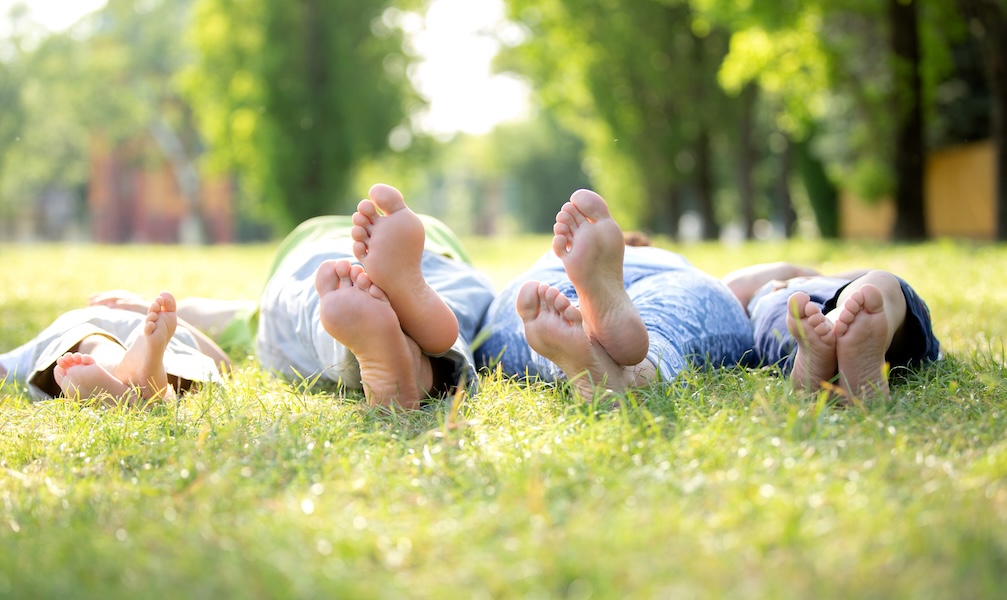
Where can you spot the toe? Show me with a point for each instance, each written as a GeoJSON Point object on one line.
{"type": "Point", "coordinates": [344, 278]}
{"type": "Point", "coordinates": [590, 205]}
{"type": "Point", "coordinates": [325, 277]}
{"type": "Point", "coordinates": [568, 215]}
{"type": "Point", "coordinates": [168, 303]}
{"type": "Point", "coordinates": [561, 245]}
{"type": "Point", "coordinates": [387, 198]}
{"type": "Point", "coordinates": [359, 232]}
{"type": "Point", "coordinates": [367, 210]}
{"type": "Point", "coordinates": [873, 300]}
{"type": "Point", "coordinates": [528, 301]}
{"type": "Point", "coordinates": [360, 250]}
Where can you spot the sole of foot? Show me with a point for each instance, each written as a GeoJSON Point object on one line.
{"type": "Point", "coordinates": [388, 240]}
{"type": "Point", "coordinates": [815, 362]}
{"type": "Point", "coordinates": [861, 343]}
{"type": "Point", "coordinates": [591, 245]}
{"type": "Point", "coordinates": [358, 315]}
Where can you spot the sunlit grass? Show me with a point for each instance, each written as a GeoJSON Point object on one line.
{"type": "Point", "coordinates": [725, 485]}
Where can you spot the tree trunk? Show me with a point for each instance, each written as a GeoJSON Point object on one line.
{"type": "Point", "coordinates": [910, 222]}
{"type": "Point", "coordinates": [990, 27]}
{"type": "Point", "coordinates": [191, 229]}
{"type": "Point", "coordinates": [822, 193]}
{"type": "Point", "coordinates": [704, 186]}
{"type": "Point", "coordinates": [784, 202]}
{"type": "Point", "coordinates": [673, 210]}
{"type": "Point", "coordinates": [746, 162]}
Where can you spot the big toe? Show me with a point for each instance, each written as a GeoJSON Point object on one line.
{"type": "Point", "coordinates": [797, 304]}
{"type": "Point", "coordinates": [330, 275]}
{"type": "Point", "coordinates": [387, 198]}
{"type": "Point", "coordinates": [167, 302]}
{"type": "Point", "coordinates": [590, 204]}
{"type": "Point", "coordinates": [528, 300]}
{"type": "Point", "coordinates": [873, 302]}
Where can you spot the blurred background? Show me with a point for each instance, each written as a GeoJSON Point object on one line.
{"type": "Point", "coordinates": [224, 121]}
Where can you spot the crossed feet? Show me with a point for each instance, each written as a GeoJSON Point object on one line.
{"type": "Point", "coordinates": [851, 341]}
{"type": "Point", "coordinates": [101, 367]}
{"type": "Point", "coordinates": [603, 342]}
{"type": "Point", "coordinates": [384, 312]}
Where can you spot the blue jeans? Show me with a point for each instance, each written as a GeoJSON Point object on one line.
{"type": "Point", "coordinates": [292, 342]}
{"type": "Point", "coordinates": [691, 317]}
{"type": "Point", "coordinates": [917, 345]}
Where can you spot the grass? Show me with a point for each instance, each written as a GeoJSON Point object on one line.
{"type": "Point", "coordinates": [728, 486]}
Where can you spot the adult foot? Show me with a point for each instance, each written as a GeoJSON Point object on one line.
{"type": "Point", "coordinates": [591, 246]}
{"type": "Point", "coordinates": [358, 314]}
{"type": "Point", "coordinates": [815, 361]}
{"type": "Point", "coordinates": [81, 378]}
{"type": "Point", "coordinates": [142, 364]}
{"type": "Point", "coordinates": [388, 240]}
{"type": "Point", "coordinates": [861, 342]}
{"type": "Point", "coordinates": [554, 328]}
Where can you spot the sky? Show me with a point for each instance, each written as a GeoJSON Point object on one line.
{"type": "Point", "coordinates": [455, 47]}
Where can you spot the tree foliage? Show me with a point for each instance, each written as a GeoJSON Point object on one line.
{"type": "Point", "coordinates": [294, 94]}
{"type": "Point", "coordinates": [108, 80]}
{"type": "Point", "coordinates": [860, 74]}
{"type": "Point", "coordinates": [637, 83]}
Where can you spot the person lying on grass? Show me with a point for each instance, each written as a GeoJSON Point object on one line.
{"type": "Point", "coordinates": [384, 301]}
{"type": "Point", "coordinates": [608, 316]}
{"type": "Point", "coordinates": [127, 354]}
{"type": "Point", "coordinates": [845, 332]}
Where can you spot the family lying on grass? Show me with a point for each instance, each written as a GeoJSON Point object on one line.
{"type": "Point", "coordinates": [387, 301]}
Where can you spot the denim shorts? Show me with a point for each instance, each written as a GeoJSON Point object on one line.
{"type": "Point", "coordinates": [775, 346]}
{"type": "Point", "coordinates": [692, 319]}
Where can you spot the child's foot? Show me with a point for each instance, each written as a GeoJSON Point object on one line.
{"type": "Point", "coordinates": [861, 341]}
{"type": "Point", "coordinates": [81, 378]}
{"type": "Point", "coordinates": [591, 245]}
{"type": "Point", "coordinates": [142, 365]}
{"type": "Point", "coordinates": [815, 361]}
{"type": "Point", "coordinates": [388, 240]}
{"type": "Point", "coordinates": [357, 314]}
{"type": "Point", "coordinates": [555, 329]}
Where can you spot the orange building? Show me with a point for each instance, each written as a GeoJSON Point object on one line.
{"type": "Point", "coordinates": [134, 196]}
{"type": "Point", "coordinates": [959, 198]}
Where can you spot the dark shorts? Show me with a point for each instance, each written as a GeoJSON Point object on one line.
{"type": "Point", "coordinates": [774, 345]}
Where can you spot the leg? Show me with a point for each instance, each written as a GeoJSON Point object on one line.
{"type": "Point", "coordinates": [142, 364]}
{"type": "Point", "coordinates": [388, 240]}
{"type": "Point", "coordinates": [81, 378]}
{"type": "Point", "coordinates": [555, 329]}
{"type": "Point", "coordinates": [357, 314]}
{"type": "Point", "coordinates": [868, 316]}
{"type": "Point", "coordinates": [815, 361]}
{"type": "Point", "coordinates": [591, 246]}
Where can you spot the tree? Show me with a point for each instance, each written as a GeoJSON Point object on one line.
{"type": "Point", "coordinates": [293, 94]}
{"type": "Point", "coordinates": [637, 83]}
{"type": "Point", "coordinates": [910, 222]}
{"type": "Point", "coordinates": [857, 76]}
{"type": "Point", "coordinates": [543, 161]}
{"type": "Point", "coordinates": [109, 78]}
{"type": "Point", "coordinates": [989, 25]}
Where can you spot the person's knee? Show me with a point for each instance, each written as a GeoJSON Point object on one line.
{"type": "Point", "coordinates": [883, 280]}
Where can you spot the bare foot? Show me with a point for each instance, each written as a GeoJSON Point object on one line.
{"type": "Point", "coordinates": [142, 365]}
{"type": "Point", "coordinates": [591, 245]}
{"type": "Point", "coordinates": [861, 342]}
{"type": "Point", "coordinates": [388, 240]}
{"type": "Point", "coordinates": [357, 314]}
{"type": "Point", "coordinates": [815, 361]}
{"type": "Point", "coordinates": [81, 378]}
{"type": "Point", "coordinates": [555, 329]}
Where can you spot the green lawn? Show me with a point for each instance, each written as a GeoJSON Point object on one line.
{"type": "Point", "coordinates": [728, 486]}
